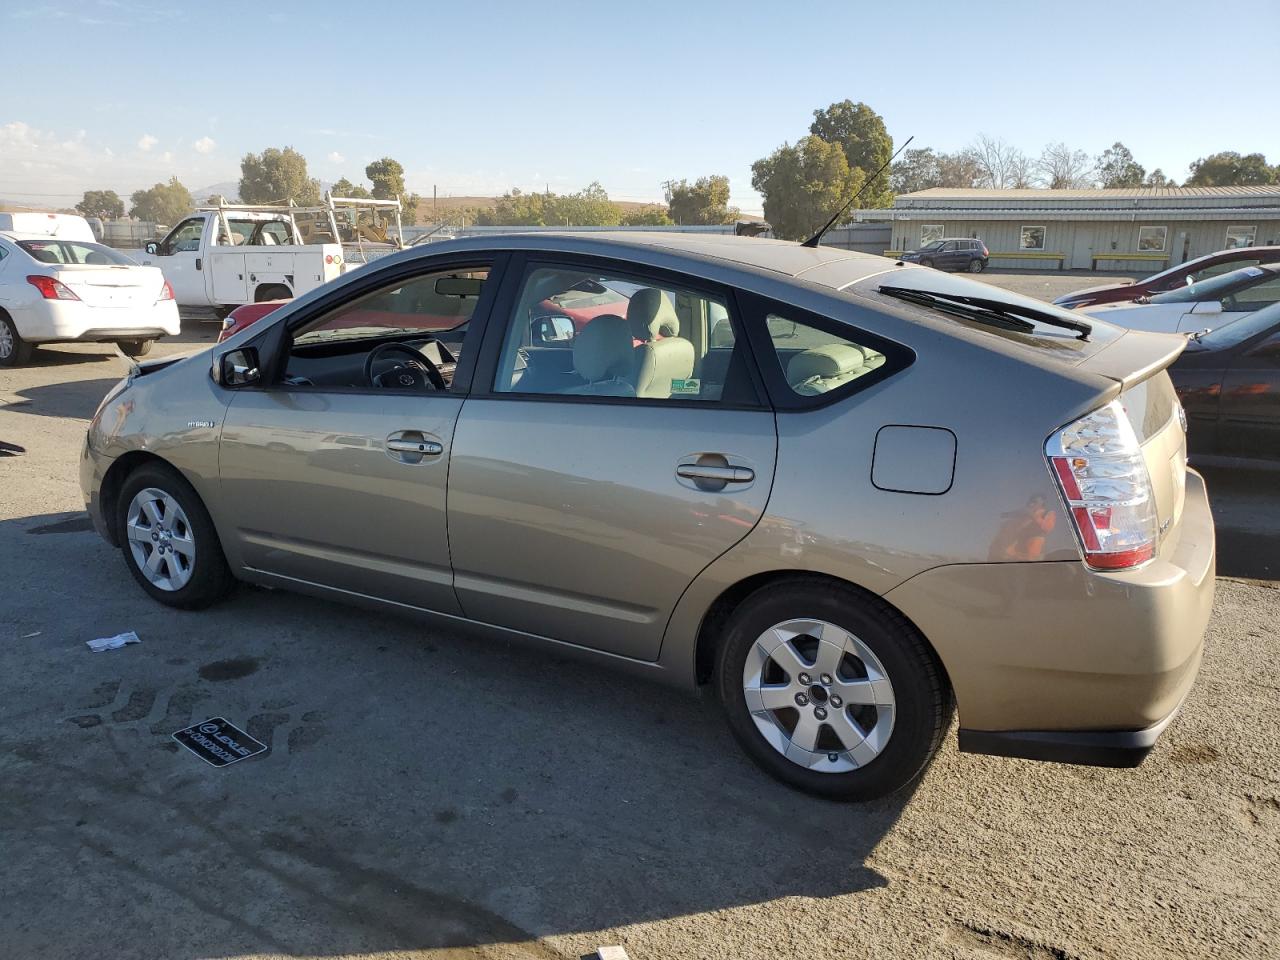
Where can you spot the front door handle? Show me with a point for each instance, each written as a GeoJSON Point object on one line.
{"type": "Point", "coordinates": [715, 474]}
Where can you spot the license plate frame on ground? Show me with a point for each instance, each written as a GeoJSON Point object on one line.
{"type": "Point", "coordinates": [219, 742]}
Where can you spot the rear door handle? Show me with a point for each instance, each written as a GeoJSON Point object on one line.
{"type": "Point", "coordinates": [699, 471]}
{"type": "Point", "coordinates": [415, 446]}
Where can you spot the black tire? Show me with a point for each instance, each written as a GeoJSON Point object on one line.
{"type": "Point", "coordinates": [976, 266]}
{"type": "Point", "coordinates": [926, 263]}
{"type": "Point", "coordinates": [14, 351]}
{"type": "Point", "coordinates": [210, 577]}
{"type": "Point", "coordinates": [923, 703]}
{"type": "Point", "coordinates": [135, 348]}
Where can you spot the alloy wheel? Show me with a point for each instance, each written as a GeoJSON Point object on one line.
{"type": "Point", "coordinates": [6, 341]}
{"type": "Point", "coordinates": [819, 695]}
{"type": "Point", "coordinates": [161, 540]}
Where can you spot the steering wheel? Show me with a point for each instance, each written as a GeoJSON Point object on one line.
{"type": "Point", "coordinates": [414, 372]}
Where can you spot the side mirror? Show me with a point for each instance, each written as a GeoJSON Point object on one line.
{"type": "Point", "coordinates": [1208, 306]}
{"type": "Point", "coordinates": [237, 368]}
{"type": "Point", "coordinates": [781, 328]}
{"type": "Point", "coordinates": [551, 329]}
{"type": "Point", "coordinates": [1190, 279]}
{"type": "Point", "coordinates": [152, 248]}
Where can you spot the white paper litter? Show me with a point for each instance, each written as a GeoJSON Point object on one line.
{"type": "Point", "coordinates": [28, 636]}
{"type": "Point", "coordinates": [612, 953]}
{"type": "Point", "coordinates": [112, 643]}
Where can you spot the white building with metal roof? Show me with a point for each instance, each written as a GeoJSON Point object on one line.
{"type": "Point", "coordinates": [1131, 230]}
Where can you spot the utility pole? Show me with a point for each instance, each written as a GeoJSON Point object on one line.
{"type": "Point", "coordinates": [435, 204]}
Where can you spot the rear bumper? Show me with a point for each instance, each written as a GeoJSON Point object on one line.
{"type": "Point", "coordinates": [67, 321]}
{"type": "Point", "coordinates": [1051, 660]}
{"type": "Point", "coordinates": [1093, 748]}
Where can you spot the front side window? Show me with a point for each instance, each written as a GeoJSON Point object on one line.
{"type": "Point", "coordinates": [1220, 268]}
{"type": "Point", "coordinates": [1253, 297]}
{"type": "Point", "coordinates": [379, 340]}
{"type": "Point", "coordinates": [1215, 288]}
{"type": "Point", "coordinates": [930, 233]}
{"type": "Point", "coordinates": [1031, 238]}
{"type": "Point", "coordinates": [1152, 239]}
{"type": "Point", "coordinates": [577, 331]}
{"type": "Point", "coordinates": [814, 361]}
{"type": "Point", "coordinates": [185, 237]}
{"type": "Point", "coordinates": [1241, 236]}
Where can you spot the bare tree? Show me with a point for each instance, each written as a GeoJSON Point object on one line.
{"type": "Point", "coordinates": [1061, 168]}
{"type": "Point", "coordinates": [999, 164]}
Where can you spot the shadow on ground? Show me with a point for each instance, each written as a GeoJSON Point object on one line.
{"type": "Point", "coordinates": [421, 791]}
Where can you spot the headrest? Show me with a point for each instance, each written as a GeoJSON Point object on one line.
{"type": "Point", "coordinates": [602, 349]}
{"type": "Point", "coordinates": [651, 315]}
{"type": "Point", "coordinates": [833, 360]}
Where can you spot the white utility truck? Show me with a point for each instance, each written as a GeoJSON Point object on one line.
{"type": "Point", "coordinates": [222, 256]}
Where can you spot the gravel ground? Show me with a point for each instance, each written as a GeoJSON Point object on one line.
{"type": "Point", "coordinates": [427, 795]}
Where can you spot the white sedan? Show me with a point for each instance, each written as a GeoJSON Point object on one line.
{"type": "Point", "coordinates": [1210, 303]}
{"type": "Point", "coordinates": [58, 291]}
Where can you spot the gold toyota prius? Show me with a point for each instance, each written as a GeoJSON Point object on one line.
{"type": "Point", "coordinates": [848, 494]}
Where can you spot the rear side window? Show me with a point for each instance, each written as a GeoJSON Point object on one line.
{"type": "Point", "coordinates": [808, 359]}
{"type": "Point", "coordinates": [69, 251]}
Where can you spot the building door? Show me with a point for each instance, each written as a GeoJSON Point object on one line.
{"type": "Point", "coordinates": [1082, 248]}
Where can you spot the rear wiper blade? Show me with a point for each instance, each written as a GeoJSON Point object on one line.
{"type": "Point", "coordinates": [982, 308]}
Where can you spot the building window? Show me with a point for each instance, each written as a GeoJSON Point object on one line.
{"type": "Point", "coordinates": [1152, 239]}
{"type": "Point", "coordinates": [1241, 236]}
{"type": "Point", "coordinates": [1032, 238]}
{"type": "Point", "coordinates": [930, 232]}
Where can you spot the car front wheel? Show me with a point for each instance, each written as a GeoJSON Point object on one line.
{"type": "Point", "coordinates": [168, 540]}
{"type": "Point", "coordinates": [831, 690]}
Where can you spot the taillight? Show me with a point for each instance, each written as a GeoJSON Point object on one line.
{"type": "Point", "coordinates": [166, 292]}
{"type": "Point", "coordinates": [1098, 464]}
{"type": "Point", "coordinates": [51, 289]}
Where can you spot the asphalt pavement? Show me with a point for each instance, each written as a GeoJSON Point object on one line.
{"type": "Point", "coordinates": [430, 795]}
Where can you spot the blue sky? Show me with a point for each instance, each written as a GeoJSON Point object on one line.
{"type": "Point", "coordinates": [477, 98]}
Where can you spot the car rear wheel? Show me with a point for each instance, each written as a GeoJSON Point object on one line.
{"type": "Point", "coordinates": [976, 266]}
{"type": "Point", "coordinates": [830, 690]}
{"type": "Point", "coordinates": [168, 540]}
{"type": "Point", "coordinates": [135, 348]}
{"type": "Point", "coordinates": [14, 351]}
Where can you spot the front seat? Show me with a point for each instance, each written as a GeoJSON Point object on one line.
{"type": "Point", "coordinates": [658, 362]}
{"type": "Point", "coordinates": [602, 356]}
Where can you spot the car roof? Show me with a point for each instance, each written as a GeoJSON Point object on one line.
{"type": "Point", "coordinates": [41, 237]}
{"type": "Point", "coordinates": [783, 257]}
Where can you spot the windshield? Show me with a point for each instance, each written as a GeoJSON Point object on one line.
{"type": "Point", "coordinates": [74, 251]}
{"type": "Point", "coordinates": [1215, 288]}
{"type": "Point", "coordinates": [1245, 328]}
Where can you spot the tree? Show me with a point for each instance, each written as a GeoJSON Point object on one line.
{"type": "Point", "coordinates": [387, 177]}
{"type": "Point", "coordinates": [704, 202]}
{"type": "Point", "coordinates": [1000, 165]}
{"type": "Point", "coordinates": [345, 188]}
{"type": "Point", "coordinates": [1156, 178]}
{"type": "Point", "coordinates": [164, 203]}
{"type": "Point", "coordinates": [804, 185]}
{"type": "Point", "coordinates": [959, 169]}
{"type": "Point", "coordinates": [861, 134]}
{"type": "Point", "coordinates": [1061, 168]}
{"type": "Point", "coordinates": [1115, 167]}
{"type": "Point", "coordinates": [925, 168]}
{"type": "Point", "coordinates": [277, 176]}
{"type": "Point", "coordinates": [654, 215]}
{"type": "Point", "coordinates": [103, 204]}
{"type": "Point", "coordinates": [589, 207]}
{"type": "Point", "coordinates": [1230, 169]}
{"type": "Point", "coordinates": [514, 209]}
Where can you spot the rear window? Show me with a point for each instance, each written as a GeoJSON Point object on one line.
{"type": "Point", "coordinates": [1044, 336]}
{"type": "Point", "coordinates": [1215, 288]}
{"type": "Point", "coordinates": [71, 251]}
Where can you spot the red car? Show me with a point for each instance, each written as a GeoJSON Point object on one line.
{"type": "Point", "coordinates": [1201, 268]}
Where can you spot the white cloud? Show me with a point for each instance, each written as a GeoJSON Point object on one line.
{"type": "Point", "coordinates": [166, 157]}
{"type": "Point", "coordinates": [204, 145]}
{"type": "Point", "coordinates": [146, 142]}
{"type": "Point", "coordinates": [336, 157]}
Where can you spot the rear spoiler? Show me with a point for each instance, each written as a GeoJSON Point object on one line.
{"type": "Point", "coordinates": [1135, 356]}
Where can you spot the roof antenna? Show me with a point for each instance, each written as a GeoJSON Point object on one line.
{"type": "Point", "coordinates": [817, 237]}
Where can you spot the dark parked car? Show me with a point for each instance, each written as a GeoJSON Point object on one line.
{"type": "Point", "coordinates": [1229, 383]}
{"type": "Point", "coordinates": [951, 253]}
{"type": "Point", "coordinates": [1193, 271]}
